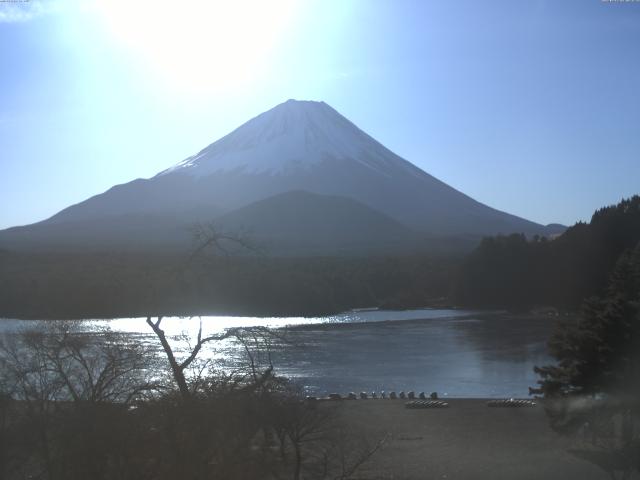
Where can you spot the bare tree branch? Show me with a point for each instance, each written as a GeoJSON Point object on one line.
{"type": "Point", "coordinates": [210, 237]}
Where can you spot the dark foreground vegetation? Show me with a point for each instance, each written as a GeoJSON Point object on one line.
{"type": "Point", "coordinates": [62, 286]}
{"type": "Point", "coordinates": [520, 273]}
{"type": "Point", "coordinates": [103, 406]}
{"type": "Point", "coordinates": [593, 391]}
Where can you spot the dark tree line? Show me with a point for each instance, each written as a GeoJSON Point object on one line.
{"type": "Point", "coordinates": [516, 272]}
{"type": "Point", "coordinates": [62, 285]}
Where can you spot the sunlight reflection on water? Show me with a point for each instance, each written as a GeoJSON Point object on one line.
{"type": "Point", "coordinates": [455, 352]}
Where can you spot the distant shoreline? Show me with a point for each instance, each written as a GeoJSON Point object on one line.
{"type": "Point", "coordinates": [242, 314]}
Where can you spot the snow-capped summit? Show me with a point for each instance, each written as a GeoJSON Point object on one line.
{"type": "Point", "coordinates": [293, 135]}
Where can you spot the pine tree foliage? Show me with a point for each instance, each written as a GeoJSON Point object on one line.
{"type": "Point", "coordinates": [593, 392]}
{"type": "Point", "coordinates": [599, 352]}
{"type": "Point", "coordinates": [519, 272]}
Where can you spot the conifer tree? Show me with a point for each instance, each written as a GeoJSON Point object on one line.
{"type": "Point", "coordinates": [593, 392]}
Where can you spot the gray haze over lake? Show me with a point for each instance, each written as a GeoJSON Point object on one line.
{"type": "Point", "coordinates": [454, 352]}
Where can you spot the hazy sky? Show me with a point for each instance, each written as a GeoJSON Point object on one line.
{"type": "Point", "coordinates": [532, 107]}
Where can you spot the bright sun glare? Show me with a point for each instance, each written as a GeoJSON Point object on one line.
{"type": "Point", "coordinates": [199, 45]}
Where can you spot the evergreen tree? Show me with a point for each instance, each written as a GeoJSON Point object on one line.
{"type": "Point", "coordinates": [516, 272]}
{"type": "Point", "coordinates": [599, 351]}
{"type": "Point", "coordinates": [593, 392]}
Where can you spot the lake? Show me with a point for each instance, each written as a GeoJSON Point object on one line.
{"type": "Point", "coordinates": [457, 353]}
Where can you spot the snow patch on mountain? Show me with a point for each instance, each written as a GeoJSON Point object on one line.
{"type": "Point", "coordinates": [292, 136]}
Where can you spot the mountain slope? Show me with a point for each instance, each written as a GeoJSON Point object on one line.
{"type": "Point", "coordinates": [296, 146]}
{"type": "Point", "coordinates": [300, 221]}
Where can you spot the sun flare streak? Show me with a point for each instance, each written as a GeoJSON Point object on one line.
{"type": "Point", "coordinates": [200, 45]}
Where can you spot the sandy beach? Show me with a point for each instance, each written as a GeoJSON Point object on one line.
{"type": "Point", "coordinates": [468, 440]}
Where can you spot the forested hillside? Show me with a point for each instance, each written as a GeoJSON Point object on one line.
{"type": "Point", "coordinates": [517, 272]}
{"type": "Point", "coordinates": [124, 285]}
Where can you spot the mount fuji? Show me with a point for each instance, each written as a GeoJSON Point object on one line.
{"type": "Point", "coordinates": [300, 178]}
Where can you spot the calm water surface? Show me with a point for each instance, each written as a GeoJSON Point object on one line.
{"type": "Point", "coordinates": [454, 352]}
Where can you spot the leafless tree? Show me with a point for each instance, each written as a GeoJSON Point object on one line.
{"type": "Point", "coordinates": [58, 362]}
{"type": "Point", "coordinates": [209, 239]}
{"type": "Point", "coordinates": [320, 448]}
{"type": "Point", "coordinates": [178, 367]}
{"type": "Point", "coordinates": [61, 382]}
